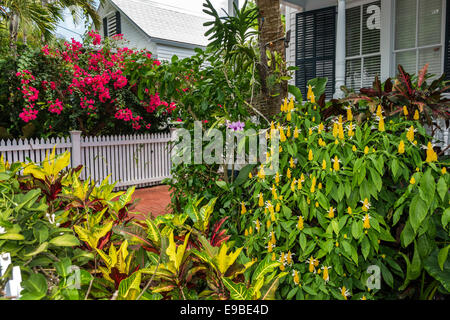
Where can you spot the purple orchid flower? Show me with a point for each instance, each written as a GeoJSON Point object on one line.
{"type": "Point", "coordinates": [236, 126]}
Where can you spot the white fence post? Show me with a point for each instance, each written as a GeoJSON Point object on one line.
{"type": "Point", "coordinates": [12, 287]}
{"type": "Point", "coordinates": [75, 137]}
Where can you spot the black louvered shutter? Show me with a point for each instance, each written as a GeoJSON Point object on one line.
{"type": "Point", "coordinates": [447, 43]}
{"type": "Point", "coordinates": [105, 27]}
{"type": "Point", "coordinates": [118, 24]}
{"type": "Point", "coordinates": [315, 48]}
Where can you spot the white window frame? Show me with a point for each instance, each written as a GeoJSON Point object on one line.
{"type": "Point", "coordinates": [362, 56]}
{"type": "Point", "coordinates": [417, 48]}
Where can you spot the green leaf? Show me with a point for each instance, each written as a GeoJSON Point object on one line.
{"type": "Point", "coordinates": [129, 287]}
{"type": "Point", "coordinates": [376, 179]}
{"type": "Point", "coordinates": [264, 267]}
{"type": "Point", "coordinates": [309, 290]}
{"type": "Point", "coordinates": [407, 236]}
{"type": "Point", "coordinates": [335, 226]}
{"type": "Point", "coordinates": [442, 188]}
{"type": "Point", "coordinates": [442, 256]}
{"type": "Point", "coordinates": [416, 265]}
{"type": "Point", "coordinates": [394, 167]}
{"type": "Point", "coordinates": [126, 197]}
{"type": "Point", "coordinates": [222, 185]}
{"type": "Point", "coordinates": [153, 232]}
{"type": "Point", "coordinates": [428, 186]}
{"type": "Point", "coordinates": [11, 236]}
{"type": "Point", "coordinates": [238, 291]}
{"type": "Point", "coordinates": [417, 212]}
{"type": "Point", "coordinates": [445, 217]}
{"type": "Point", "coordinates": [34, 288]}
{"type": "Point", "coordinates": [243, 174]}
{"type": "Point", "coordinates": [365, 247]}
{"type": "Point", "coordinates": [387, 275]}
{"type": "Point", "coordinates": [357, 229]}
{"type": "Point", "coordinates": [63, 267]}
{"type": "Point", "coordinates": [42, 247]}
{"type": "Point", "coordinates": [268, 291]}
{"type": "Point", "coordinates": [295, 91]}
{"type": "Point", "coordinates": [431, 265]}
{"type": "Point", "coordinates": [302, 241]}
{"type": "Point", "coordinates": [66, 240]}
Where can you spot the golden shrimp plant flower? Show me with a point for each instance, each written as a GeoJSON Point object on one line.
{"type": "Point", "coordinates": [365, 205]}
{"type": "Point", "coordinates": [336, 161]}
{"type": "Point", "coordinates": [243, 209]}
{"type": "Point", "coordinates": [326, 275]}
{"type": "Point", "coordinates": [300, 222]}
{"type": "Point", "coordinates": [410, 134]}
{"type": "Point", "coordinates": [366, 221]}
{"type": "Point", "coordinates": [331, 213]}
{"type": "Point", "coordinates": [310, 155]}
{"type": "Point", "coordinates": [261, 200]}
{"type": "Point", "coordinates": [401, 147]}
{"type": "Point", "coordinates": [431, 154]}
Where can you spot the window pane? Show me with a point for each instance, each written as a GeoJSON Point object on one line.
{"type": "Point", "coordinates": [372, 67]}
{"type": "Point", "coordinates": [353, 31]}
{"type": "Point", "coordinates": [353, 74]}
{"type": "Point", "coordinates": [371, 27]}
{"type": "Point", "coordinates": [430, 18]}
{"type": "Point", "coordinates": [405, 24]}
{"type": "Point", "coordinates": [432, 56]}
{"type": "Point", "coordinates": [408, 61]}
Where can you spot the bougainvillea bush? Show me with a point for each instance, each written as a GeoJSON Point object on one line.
{"type": "Point", "coordinates": [82, 86]}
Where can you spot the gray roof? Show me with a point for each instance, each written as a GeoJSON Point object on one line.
{"type": "Point", "coordinates": [163, 23]}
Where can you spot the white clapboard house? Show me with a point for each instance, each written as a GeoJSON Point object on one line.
{"type": "Point", "coordinates": [163, 30]}
{"type": "Point", "coordinates": [351, 41]}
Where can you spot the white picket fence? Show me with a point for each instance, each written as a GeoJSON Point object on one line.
{"type": "Point", "coordinates": [13, 286]}
{"type": "Point", "coordinates": [131, 160]}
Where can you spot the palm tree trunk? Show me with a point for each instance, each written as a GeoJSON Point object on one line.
{"type": "Point", "coordinates": [271, 38]}
{"type": "Point", "coordinates": [13, 32]}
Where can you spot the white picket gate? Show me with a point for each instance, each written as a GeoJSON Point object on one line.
{"type": "Point", "coordinates": [131, 160]}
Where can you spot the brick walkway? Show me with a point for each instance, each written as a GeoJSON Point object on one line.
{"type": "Point", "coordinates": [154, 201]}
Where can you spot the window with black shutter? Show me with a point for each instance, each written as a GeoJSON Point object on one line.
{"type": "Point", "coordinates": [315, 48]}
{"type": "Point", "coordinates": [112, 24]}
{"type": "Point", "coordinates": [105, 27]}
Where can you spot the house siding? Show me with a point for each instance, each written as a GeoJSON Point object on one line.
{"type": "Point", "coordinates": [165, 52]}
{"type": "Point", "coordinates": [135, 38]}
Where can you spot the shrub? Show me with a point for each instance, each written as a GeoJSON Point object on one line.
{"type": "Point", "coordinates": [75, 240]}
{"type": "Point", "coordinates": [80, 86]}
{"type": "Point", "coordinates": [347, 196]}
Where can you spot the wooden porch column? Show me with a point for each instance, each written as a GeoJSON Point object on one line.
{"type": "Point", "coordinates": [340, 50]}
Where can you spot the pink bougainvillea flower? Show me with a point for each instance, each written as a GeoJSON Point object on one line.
{"type": "Point", "coordinates": [55, 107]}
{"type": "Point", "coordinates": [28, 114]}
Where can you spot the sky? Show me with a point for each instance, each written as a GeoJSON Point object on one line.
{"type": "Point", "coordinates": [68, 29]}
